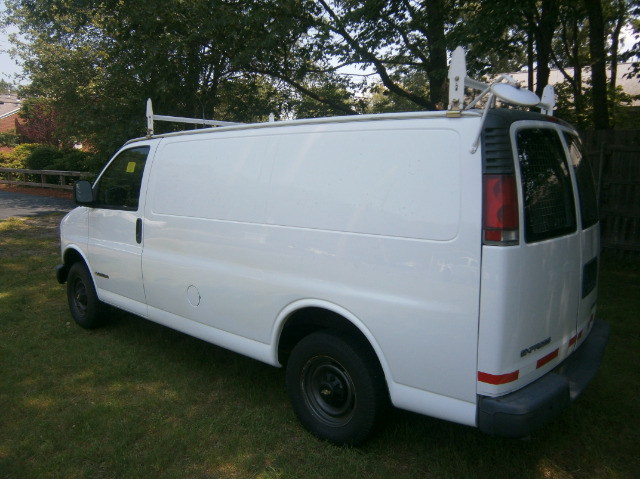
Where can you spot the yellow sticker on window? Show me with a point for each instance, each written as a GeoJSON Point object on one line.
{"type": "Point", "coordinates": [131, 167]}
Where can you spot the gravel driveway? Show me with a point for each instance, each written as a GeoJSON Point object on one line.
{"type": "Point", "coordinates": [18, 204]}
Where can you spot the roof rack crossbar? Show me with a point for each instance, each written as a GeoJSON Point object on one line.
{"type": "Point", "coordinates": [151, 117]}
{"type": "Point", "coordinates": [503, 87]}
{"type": "Point", "coordinates": [515, 95]}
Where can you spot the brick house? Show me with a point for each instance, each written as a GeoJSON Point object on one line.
{"type": "Point", "coordinates": [9, 108]}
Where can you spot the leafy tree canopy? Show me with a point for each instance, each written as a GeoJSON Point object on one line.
{"type": "Point", "coordinates": [97, 61]}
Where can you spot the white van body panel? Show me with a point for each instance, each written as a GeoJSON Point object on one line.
{"type": "Point", "coordinates": [297, 234]}
{"type": "Point", "coordinates": [434, 405]}
{"type": "Point", "coordinates": [247, 347]}
{"type": "Point", "coordinates": [76, 231]}
{"type": "Point", "coordinates": [507, 293]}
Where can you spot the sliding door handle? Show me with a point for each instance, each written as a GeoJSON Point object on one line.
{"type": "Point", "coordinates": [139, 230]}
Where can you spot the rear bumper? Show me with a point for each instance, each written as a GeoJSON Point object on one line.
{"type": "Point", "coordinates": [520, 413]}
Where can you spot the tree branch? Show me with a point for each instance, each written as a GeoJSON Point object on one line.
{"type": "Point", "coordinates": [308, 92]}
{"type": "Point", "coordinates": [393, 87]}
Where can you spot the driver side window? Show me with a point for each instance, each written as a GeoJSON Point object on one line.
{"type": "Point", "coordinates": [119, 185]}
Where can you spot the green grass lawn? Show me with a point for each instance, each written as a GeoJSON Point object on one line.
{"type": "Point", "coordinates": [135, 399]}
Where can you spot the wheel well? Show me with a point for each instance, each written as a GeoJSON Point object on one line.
{"type": "Point", "coordinates": [71, 256]}
{"type": "Point", "coordinates": [310, 320]}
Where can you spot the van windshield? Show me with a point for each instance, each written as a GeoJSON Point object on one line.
{"type": "Point", "coordinates": [549, 208]}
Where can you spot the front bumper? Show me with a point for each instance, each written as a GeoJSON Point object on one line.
{"type": "Point", "coordinates": [520, 413]}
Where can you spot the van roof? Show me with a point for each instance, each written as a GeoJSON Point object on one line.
{"type": "Point", "coordinates": [510, 115]}
{"type": "Point", "coordinates": [495, 118]}
{"type": "Point", "coordinates": [317, 121]}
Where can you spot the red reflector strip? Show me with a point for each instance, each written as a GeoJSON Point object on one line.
{"type": "Point", "coordinates": [573, 340]}
{"type": "Point", "coordinates": [549, 357]}
{"type": "Point", "coordinates": [498, 378]}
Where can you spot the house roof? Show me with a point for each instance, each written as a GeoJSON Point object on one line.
{"type": "Point", "coordinates": [9, 105]}
{"type": "Point", "coordinates": [630, 86]}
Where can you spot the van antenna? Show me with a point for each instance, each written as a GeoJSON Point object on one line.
{"type": "Point", "coordinates": [504, 87]}
{"type": "Point", "coordinates": [151, 117]}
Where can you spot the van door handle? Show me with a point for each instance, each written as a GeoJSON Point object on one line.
{"type": "Point", "coordinates": [139, 230]}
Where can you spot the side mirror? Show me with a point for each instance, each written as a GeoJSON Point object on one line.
{"type": "Point", "coordinates": [83, 193]}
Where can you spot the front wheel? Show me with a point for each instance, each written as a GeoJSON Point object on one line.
{"type": "Point", "coordinates": [336, 387]}
{"type": "Point", "coordinates": [87, 310]}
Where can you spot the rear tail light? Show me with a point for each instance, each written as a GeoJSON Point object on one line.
{"type": "Point", "coordinates": [500, 210]}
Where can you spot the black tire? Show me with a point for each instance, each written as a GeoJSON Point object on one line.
{"type": "Point", "coordinates": [87, 310]}
{"type": "Point", "coordinates": [336, 387]}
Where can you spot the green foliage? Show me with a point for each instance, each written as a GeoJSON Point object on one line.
{"type": "Point", "coordinates": [98, 62]}
{"type": "Point", "coordinates": [622, 115]}
{"type": "Point", "coordinates": [317, 89]}
{"type": "Point", "coordinates": [191, 58]}
{"type": "Point", "coordinates": [18, 157]}
{"type": "Point", "coordinates": [47, 158]}
{"type": "Point", "coordinates": [6, 87]}
{"type": "Point", "coordinates": [77, 160]}
{"type": "Point", "coordinates": [381, 100]}
{"type": "Point", "coordinates": [8, 138]}
{"type": "Point", "coordinates": [39, 121]}
{"type": "Point", "coordinates": [43, 157]}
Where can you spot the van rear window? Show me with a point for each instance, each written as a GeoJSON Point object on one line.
{"type": "Point", "coordinates": [584, 178]}
{"type": "Point", "coordinates": [549, 209]}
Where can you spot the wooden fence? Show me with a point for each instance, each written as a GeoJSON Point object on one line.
{"type": "Point", "coordinates": [615, 156]}
{"type": "Point", "coordinates": [41, 178]}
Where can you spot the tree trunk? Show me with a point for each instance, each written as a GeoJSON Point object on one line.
{"type": "Point", "coordinates": [544, 38]}
{"type": "Point", "coordinates": [530, 59]}
{"type": "Point", "coordinates": [437, 66]}
{"type": "Point", "coordinates": [577, 72]}
{"type": "Point", "coordinates": [598, 64]}
{"type": "Point", "coordinates": [615, 43]}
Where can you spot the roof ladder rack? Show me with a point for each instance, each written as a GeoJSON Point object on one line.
{"type": "Point", "coordinates": [151, 117]}
{"type": "Point", "coordinates": [503, 87]}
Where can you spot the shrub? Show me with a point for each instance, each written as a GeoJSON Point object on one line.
{"type": "Point", "coordinates": [8, 138]}
{"type": "Point", "coordinates": [4, 159]}
{"type": "Point", "coordinates": [74, 160]}
{"type": "Point", "coordinates": [18, 157]}
{"type": "Point", "coordinates": [43, 158]}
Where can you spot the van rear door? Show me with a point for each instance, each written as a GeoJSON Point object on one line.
{"type": "Point", "coordinates": [589, 229]}
{"type": "Point", "coordinates": [532, 299]}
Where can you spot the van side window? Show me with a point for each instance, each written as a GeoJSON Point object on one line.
{"type": "Point", "coordinates": [549, 208]}
{"type": "Point", "coordinates": [584, 178]}
{"type": "Point", "coordinates": [119, 185]}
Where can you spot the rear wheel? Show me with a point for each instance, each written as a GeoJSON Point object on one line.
{"type": "Point", "coordinates": [87, 310]}
{"type": "Point", "coordinates": [336, 387]}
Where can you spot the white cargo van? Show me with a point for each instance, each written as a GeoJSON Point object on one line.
{"type": "Point", "coordinates": [445, 262]}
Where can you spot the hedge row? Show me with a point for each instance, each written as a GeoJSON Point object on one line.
{"type": "Point", "coordinates": [38, 157]}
